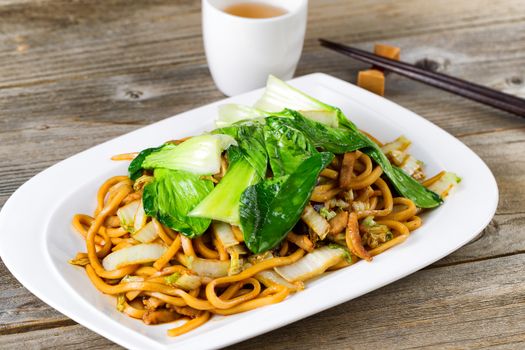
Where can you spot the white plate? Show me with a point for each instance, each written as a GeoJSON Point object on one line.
{"type": "Point", "coordinates": [36, 239]}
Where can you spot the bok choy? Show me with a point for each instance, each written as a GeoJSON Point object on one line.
{"type": "Point", "coordinates": [172, 195]}
{"type": "Point", "coordinates": [278, 95]}
{"type": "Point", "coordinates": [248, 164]}
{"type": "Point", "coordinates": [287, 147]}
{"type": "Point", "coordinates": [200, 155]}
{"type": "Point", "coordinates": [232, 113]}
{"type": "Point", "coordinates": [281, 97]}
{"type": "Point", "coordinates": [272, 207]}
{"type": "Point", "coordinates": [223, 202]}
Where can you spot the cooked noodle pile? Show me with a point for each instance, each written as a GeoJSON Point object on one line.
{"type": "Point", "coordinates": [241, 217]}
{"type": "Point", "coordinates": [352, 205]}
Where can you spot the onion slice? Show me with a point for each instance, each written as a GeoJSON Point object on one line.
{"type": "Point", "coordinates": [137, 254]}
{"type": "Point", "coordinates": [312, 264]}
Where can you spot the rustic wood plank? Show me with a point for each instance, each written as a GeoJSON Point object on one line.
{"type": "Point", "coordinates": [95, 83]}
{"type": "Point", "coordinates": [503, 236]}
{"type": "Point", "coordinates": [69, 337]}
{"type": "Point", "coordinates": [21, 311]}
{"type": "Point", "coordinates": [136, 23]}
{"type": "Point", "coordinates": [504, 152]}
{"type": "Point", "coordinates": [74, 74]}
{"type": "Point", "coordinates": [467, 306]}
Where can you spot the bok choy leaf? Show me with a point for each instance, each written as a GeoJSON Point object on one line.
{"type": "Point", "coordinates": [250, 145]}
{"type": "Point", "coordinates": [287, 147]}
{"type": "Point", "coordinates": [231, 113]}
{"type": "Point", "coordinates": [247, 166]}
{"type": "Point", "coordinates": [279, 96]}
{"type": "Point", "coordinates": [223, 202]}
{"type": "Point", "coordinates": [272, 207]}
{"type": "Point", "coordinates": [135, 167]}
{"type": "Point", "coordinates": [335, 140]}
{"type": "Point", "coordinates": [172, 195]}
{"type": "Point", "coordinates": [200, 155]}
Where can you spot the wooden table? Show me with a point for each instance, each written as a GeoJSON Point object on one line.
{"type": "Point", "coordinates": [76, 73]}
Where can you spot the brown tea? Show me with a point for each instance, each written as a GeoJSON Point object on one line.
{"type": "Point", "coordinates": [254, 10]}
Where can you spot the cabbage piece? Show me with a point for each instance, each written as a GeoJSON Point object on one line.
{"type": "Point", "coordinates": [413, 167]}
{"type": "Point", "coordinates": [312, 264]}
{"type": "Point", "coordinates": [126, 215]}
{"type": "Point", "coordinates": [270, 278]}
{"type": "Point", "coordinates": [236, 263]}
{"type": "Point", "coordinates": [278, 95]}
{"type": "Point", "coordinates": [223, 232]}
{"type": "Point", "coordinates": [140, 218]}
{"type": "Point", "coordinates": [231, 113]}
{"type": "Point", "coordinates": [445, 184]}
{"type": "Point", "coordinates": [184, 281]}
{"type": "Point", "coordinates": [399, 144]}
{"type": "Point", "coordinates": [199, 155]}
{"type": "Point", "coordinates": [374, 234]}
{"type": "Point", "coordinates": [137, 254]}
{"type": "Point", "coordinates": [327, 214]}
{"type": "Point", "coordinates": [315, 221]}
{"type": "Point", "coordinates": [146, 234]}
{"type": "Point", "coordinates": [205, 267]}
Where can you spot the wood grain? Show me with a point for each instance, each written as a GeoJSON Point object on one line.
{"type": "Point", "coordinates": [76, 73]}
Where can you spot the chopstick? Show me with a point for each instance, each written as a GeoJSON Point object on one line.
{"type": "Point", "coordinates": [442, 81]}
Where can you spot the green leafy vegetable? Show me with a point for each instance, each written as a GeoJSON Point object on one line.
{"type": "Point", "coordinates": [248, 163]}
{"type": "Point", "coordinates": [223, 202]}
{"type": "Point", "coordinates": [279, 96]}
{"type": "Point", "coordinates": [200, 155]}
{"type": "Point", "coordinates": [402, 182]}
{"type": "Point", "coordinates": [287, 147]}
{"type": "Point", "coordinates": [135, 167]}
{"type": "Point", "coordinates": [272, 207]}
{"type": "Point", "coordinates": [250, 145]}
{"type": "Point", "coordinates": [232, 113]}
{"type": "Point", "coordinates": [172, 195]}
{"type": "Point", "coordinates": [335, 140]}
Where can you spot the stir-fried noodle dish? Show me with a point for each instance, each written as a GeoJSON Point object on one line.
{"type": "Point", "coordinates": [242, 216]}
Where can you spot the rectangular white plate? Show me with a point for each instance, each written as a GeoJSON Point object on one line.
{"type": "Point", "coordinates": [36, 239]}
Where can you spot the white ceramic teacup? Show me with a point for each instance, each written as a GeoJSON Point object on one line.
{"type": "Point", "coordinates": [242, 52]}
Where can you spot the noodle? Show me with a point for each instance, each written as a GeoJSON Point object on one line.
{"type": "Point", "coordinates": [364, 217]}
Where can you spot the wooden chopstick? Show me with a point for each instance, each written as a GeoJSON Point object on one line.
{"type": "Point", "coordinates": [479, 93]}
